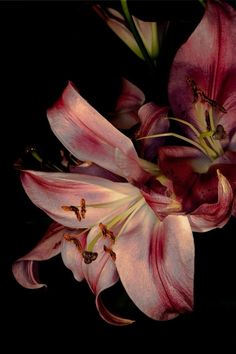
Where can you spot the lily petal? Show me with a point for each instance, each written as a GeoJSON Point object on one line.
{"type": "Point", "coordinates": [90, 137]}
{"type": "Point", "coordinates": [153, 121]}
{"type": "Point", "coordinates": [100, 275]}
{"type": "Point", "coordinates": [208, 58]}
{"type": "Point", "coordinates": [50, 191]}
{"type": "Point", "coordinates": [25, 268]}
{"type": "Point", "coordinates": [125, 115]}
{"type": "Point", "coordinates": [163, 258]}
{"type": "Point", "coordinates": [210, 216]}
{"type": "Point", "coordinates": [180, 164]}
{"type": "Point", "coordinates": [71, 257]}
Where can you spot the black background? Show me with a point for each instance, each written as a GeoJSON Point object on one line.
{"type": "Point", "coordinates": [43, 45]}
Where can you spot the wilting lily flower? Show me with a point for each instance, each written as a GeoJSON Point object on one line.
{"type": "Point", "coordinates": [202, 94]}
{"type": "Point", "coordinates": [132, 229]}
{"type": "Point", "coordinates": [147, 31]}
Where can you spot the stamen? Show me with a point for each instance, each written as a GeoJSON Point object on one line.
{"type": "Point", "coordinates": [190, 141]}
{"type": "Point", "coordinates": [74, 209]}
{"type": "Point", "coordinates": [109, 250]}
{"type": "Point", "coordinates": [220, 133]}
{"type": "Point", "coordinates": [82, 208]}
{"type": "Point", "coordinates": [89, 257]}
{"type": "Point", "coordinates": [70, 238]}
{"type": "Point", "coordinates": [199, 93]}
{"type": "Point", "coordinates": [197, 133]}
{"type": "Point", "coordinates": [106, 232]}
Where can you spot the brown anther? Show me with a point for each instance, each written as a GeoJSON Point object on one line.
{"type": "Point", "coordinates": [82, 208]}
{"type": "Point", "coordinates": [89, 257]}
{"type": "Point", "coordinates": [76, 242]}
{"type": "Point", "coordinates": [106, 232]}
{"type": "Point", "coordinates": [109, 250]}
{"type": "Point", "coordinates": [199, 93]}
{"type": "Point", "coordinates": [74, 209]}
{"type": "Point", "coordinates": [207, 119]}
{"type": "Point", "coordinates": [219, 133]}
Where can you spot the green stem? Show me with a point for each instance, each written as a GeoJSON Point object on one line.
{"type": "Point", "coordinates": [136, 34]}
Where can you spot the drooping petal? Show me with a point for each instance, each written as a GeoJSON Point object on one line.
{"type": "Point", "coordinates": [155, 262]}
{"type": "Point", "coordinates": [131, 98]}
{"type": "Point", "coordinates": [209, 216]}
{"type": "Point", "coordinates": [71, 256]}
{"type": "Point", "coordinates": [153, 121]}
{"type": "Point", "coordinates": [25, 268]}
{"type": "Point", "coordinates": [100, 275]}
{"type": "Point", "coordinates": [90, 137]}
{"type": "Point", "coordinates": [208, 58]}
{"type": "Point", "coordinates": [52, 192]}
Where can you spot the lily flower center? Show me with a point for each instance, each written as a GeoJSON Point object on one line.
{"type": "Point", "coordinates": [206, 135]}
{"type": "Point", "coordinates": [104, 228]}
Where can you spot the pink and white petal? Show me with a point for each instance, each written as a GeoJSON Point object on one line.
{"type": "Point", "coordinates": [25, 268]}
{"type": "Point", "coordinates": [155, 262]}
{"type": "Point", "coordinates": [71, 256]}
{"type": "Point", "coordinates": [92, 169]}
{"type": "Point", "coordinates": [90, 137]}
{"type": "Point", "coordinates": [153, 121]}
{"type": "Point", "coordinates": [101, 274]}
{"type": "Point", "coordinates": [130, 100]}
{"type": "Point", "coordinates": [208, 58]}
{"type": "Point", "coordinates": [209, 216]}
{"type": "Point", "coordinates": [50, 191]}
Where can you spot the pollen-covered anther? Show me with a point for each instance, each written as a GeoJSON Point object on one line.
{"type": "Point", "coordinates": [110, 251]}
{"type": "Point", "coordinates": [198, 93]}
{"type": "Point", "coordinates": [105, 232]}
{"type": "Point", "coordinates": [220, 133]}
{"type": "Point", "coordinates": [74, 209]}
{"type": "Point", "coordinates": [89, 257]}
{"type": "Point", "coordinates": [73, 239]}
{"type": "Point", "coordinates": [83, 208]}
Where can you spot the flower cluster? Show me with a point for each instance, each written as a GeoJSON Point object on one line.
{"type": "Point", "coordinates": [128, 212]}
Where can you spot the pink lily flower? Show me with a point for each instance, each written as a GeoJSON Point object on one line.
{"type": "Point", "coordinates": [147, 30]}
{"type": "Point", "coordinates": [202, 95]}
{"type": "Point", "coordinates": [132, 230]}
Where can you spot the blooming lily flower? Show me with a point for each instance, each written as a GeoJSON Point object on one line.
{"type": "Point", "coordinates": [133, 229]}
{"type": "Point", "coordinates": [147, 31]}
{"type": "Point", "coordinates": [202, 95]}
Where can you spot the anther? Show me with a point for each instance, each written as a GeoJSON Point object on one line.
{"type": "Point", "coordinates": [74, 209]}
{"type": "Point", "coordinates": [199, 93]}
{"type": "Point", "coordinates": [109, 250]}
{"type": "Point", "coordinates": [89, 257]}
{"type": "Point", "coordinates": [207, 119]}
{"type": "Point", "coordinates": [76, 242]}
{"type": "Point", "coordinates": [106, 232]}
{"type": "Point", "coordinates": [219, 133]}
{"type": "Point", "coordinates": [82, 208]}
